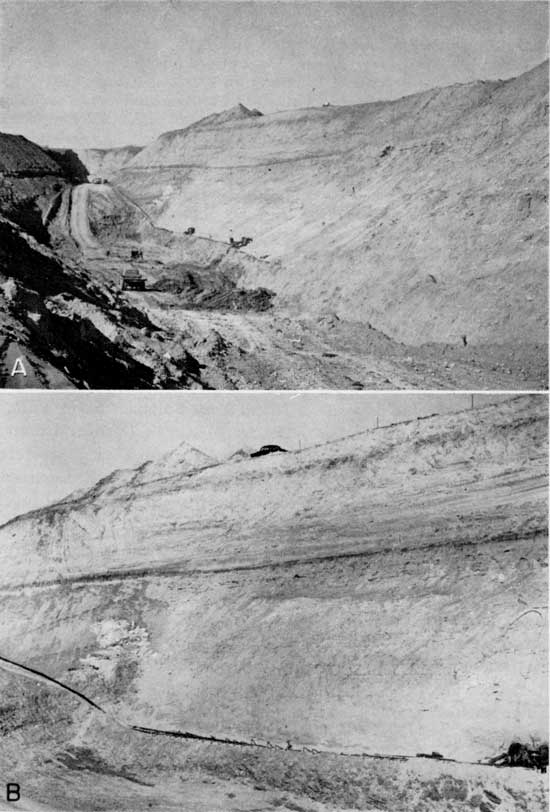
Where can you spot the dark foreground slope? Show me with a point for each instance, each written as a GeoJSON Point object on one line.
{"type": "Point", "coordinates": [385, 593]}
{"type": "Point", "coordinates": [72, 330]}
{"type": "Point", "coordinates": [31, 179]}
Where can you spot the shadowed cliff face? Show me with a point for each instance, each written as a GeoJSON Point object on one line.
{"type": "Point", "coordinates": [74, 331]}
{"type": "Point", "coordinates": [71, 165]}
{"type": "Point", "coordinates": [383, 593]}
{"type": "Point", "coordinates": [31, 181]}
{"type": "Point", "coordinates": [418, 215]}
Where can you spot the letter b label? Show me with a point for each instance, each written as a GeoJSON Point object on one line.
{"type": "Point", "coordinates": [12, 792]}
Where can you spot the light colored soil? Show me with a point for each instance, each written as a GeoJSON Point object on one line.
{"type": "Point", "coordinates": [426, 216]}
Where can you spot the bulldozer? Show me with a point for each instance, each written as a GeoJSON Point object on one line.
{"type": "Point", "coordinates": [239, 243]}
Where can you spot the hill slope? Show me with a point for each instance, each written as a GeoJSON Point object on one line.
{"type": "Point", "coordinates": [19, 156]}
{"type": "Point", "coordinates": [425, 216]}
{"type": "Point", "coordinates": [382, 593]}
{"type": "Point", "coordinates": [30, 179]}
{"type": "Point", "coordinates": [105, 162]}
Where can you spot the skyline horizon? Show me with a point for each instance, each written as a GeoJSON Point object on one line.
{"type": "Point", "coordinates": [103, 75]}
{"type": "Point", "coordinates": [107, 148]}
{"type": "Point", "coordinates": [116, 433]}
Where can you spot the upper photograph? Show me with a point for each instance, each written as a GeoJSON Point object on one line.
{"type": "Point", "coordinates": [273, 195]}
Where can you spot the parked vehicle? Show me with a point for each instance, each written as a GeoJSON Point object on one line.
{"type": "Point", "coordinates": [239, 243]}
{"type": "Point", "coordinates": [133, 280]}
{"type": "Point", "coordinates": [268, 449]}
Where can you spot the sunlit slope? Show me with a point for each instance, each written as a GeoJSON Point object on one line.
{"type": "Point", "coordinates": [104, 162]}
{"type": "Point", "coordinates": [386, 592]}
{"type": "Point", "coordinates": [425, 215]}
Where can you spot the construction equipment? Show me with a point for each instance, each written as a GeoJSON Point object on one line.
{"type": "Point", "coordinates": [239, 243]}
{"type": "Point", "coordinates": [133, 280]}
{"type": "Point", "coordinates": [268, 449]}
{"type": "Point", "coordinates": [136, 253]}
{"type": "Point", "coordinates": [521, 755]}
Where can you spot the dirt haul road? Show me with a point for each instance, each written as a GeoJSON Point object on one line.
{"type": "Point", "coordinates": [79, 221]}
{"type": "Point", "coordinates": [273, 348]}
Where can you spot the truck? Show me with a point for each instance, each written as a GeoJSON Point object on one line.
{"type": "Point", "coordinates": [133, 280]}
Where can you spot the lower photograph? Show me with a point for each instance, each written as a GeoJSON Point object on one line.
{"type": "Point", "coordinates": [218, 602]}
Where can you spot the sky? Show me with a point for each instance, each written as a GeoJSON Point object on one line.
{"type": "Point", "coordinates": [99, 74]}
{"type": "Point", "coordinates": [56, 442]}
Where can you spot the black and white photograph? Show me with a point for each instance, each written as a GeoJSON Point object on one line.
{"type": "Point", "coordinates": [274, 406]}
{"type": "Point", "coordinates": [273, 195]}
{"type": "Point", "coordinates": [283, 602]}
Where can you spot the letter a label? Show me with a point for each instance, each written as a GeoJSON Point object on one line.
{"type": "Point", "coordinates": [19, 368]}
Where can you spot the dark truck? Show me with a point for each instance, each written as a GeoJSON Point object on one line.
{"type": "Point", "coordinates": [133, 280]}
{"type": "Point", "coordinates": [268, 449]}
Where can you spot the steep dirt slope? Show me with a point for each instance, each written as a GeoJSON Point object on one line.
{"type": "Point", "coordinates": [105, 162]}
{"type": "Point", "coordinates": [383, 593]}
{"type": "Point", "coordinates": [19, 156]}
{"type": "Point", "coordinates": [71, 165]}
{"type": "Point", "coordinates": [247, 339]}
{"type": "Point", "coordinates": [69, 758]}
{"type": "Point", "coordinates": [30, 181]}
{"type": "Point", "coordinates": [425, 216]}
{"type": "Point", "coordinates": [237, 113]}
{"type": "Point", "coordinates": [73, 330]}
{"type": "Point", "coordinates": [63, 312]}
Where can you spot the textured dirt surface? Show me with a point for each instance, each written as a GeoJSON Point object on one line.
{"type": "Point", "coordinates": [104, 162]}
{"type": "Point", "coordinates": [417, 215]}
{"type": "Point", "coordinates": [66, 759]}
{"type": "Point", "coordinates": [381, 594]}
{"type": "Point", "coordinates": [395, 245]}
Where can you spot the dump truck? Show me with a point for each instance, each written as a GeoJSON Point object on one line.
{"type": "Point", "coordinates": [133, 280]}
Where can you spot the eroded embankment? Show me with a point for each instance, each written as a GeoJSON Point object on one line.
{"type": "Point", "coordinates": [418, 215]}
{"type": "Point", "coordinates": [68, 756]}
{"type": "Point", "coordinates": [385, 593]}
{"type": "Point", "coordinates": [305, 655]}
{"type": "Point", "coordinates": [72, 330]}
